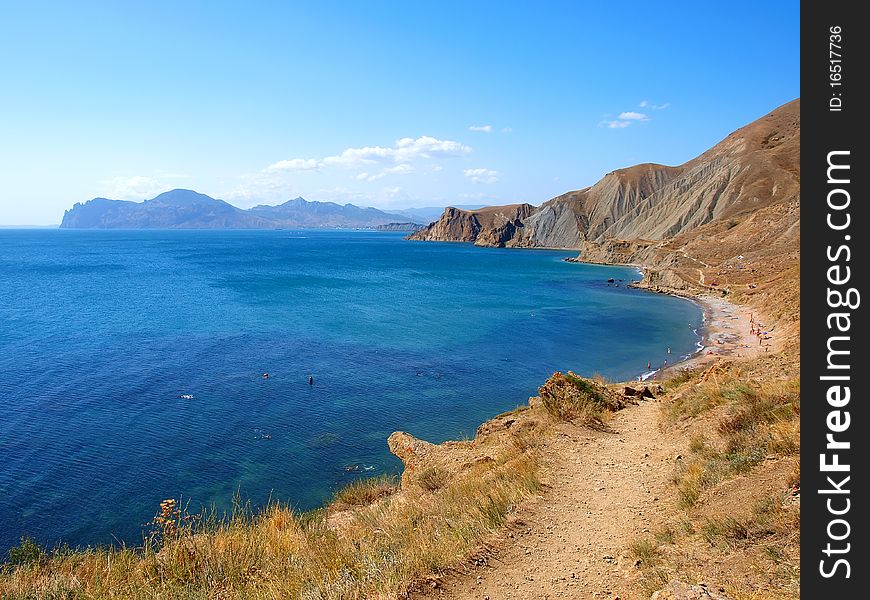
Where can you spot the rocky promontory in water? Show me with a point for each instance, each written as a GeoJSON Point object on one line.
{"type": "Point", "coordinates": [488, 226]}
{"type": "Point", "coordinates": [399, 227]}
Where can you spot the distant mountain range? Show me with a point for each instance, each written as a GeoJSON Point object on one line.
{"type": "Point", "coordinates": [186, 209]}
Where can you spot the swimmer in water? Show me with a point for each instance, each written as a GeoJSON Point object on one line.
{"type": "Point", "coordinates": [310, 380]}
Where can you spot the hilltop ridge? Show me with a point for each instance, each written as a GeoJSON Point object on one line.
{"type": "Point", "coordinates": [753, 168]}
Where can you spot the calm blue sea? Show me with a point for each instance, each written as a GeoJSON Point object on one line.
{"type": "Point", "coordinates": [102, 332]}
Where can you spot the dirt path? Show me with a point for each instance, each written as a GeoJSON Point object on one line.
{"type": "Point", "coordinates": [602, 492]}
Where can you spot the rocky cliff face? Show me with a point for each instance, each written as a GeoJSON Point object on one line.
{"type": "Point", "coordinates": [490, 226]}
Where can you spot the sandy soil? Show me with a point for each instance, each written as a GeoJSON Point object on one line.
{"type": "Point", "coordinates": [604, 490]}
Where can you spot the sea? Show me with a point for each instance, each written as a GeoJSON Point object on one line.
{"type": "Point", "coordinates": [132, 363]}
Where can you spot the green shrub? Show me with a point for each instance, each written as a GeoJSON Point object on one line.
{"type": "Point", "coordinates": [28, 552]}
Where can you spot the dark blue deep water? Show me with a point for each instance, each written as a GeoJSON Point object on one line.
{"type": "Point", "coordinates": [101, 333]}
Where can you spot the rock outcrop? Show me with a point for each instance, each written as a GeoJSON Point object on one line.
{"type": "Point", "coordinates": [490, 226]}
{"type": "Point", "coordinates": [399, 227]}
{"type": "Point", "coordinates": [430, 466]}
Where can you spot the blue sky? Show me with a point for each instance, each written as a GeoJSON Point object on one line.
{"type": "Point", "coordinates": [383, 104]}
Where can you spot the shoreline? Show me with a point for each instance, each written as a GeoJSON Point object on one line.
{"type": "Point", "coordinates": [725, 330]}
{"type": "Point", "coordinates": [726, 333]}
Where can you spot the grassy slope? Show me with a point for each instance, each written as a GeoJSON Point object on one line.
{"type": "Point", "coordinates": [738, 489]}
{"type": "Point", "coordinates": [384, 543]}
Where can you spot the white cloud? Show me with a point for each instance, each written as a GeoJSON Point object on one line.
{"type": "Point", "coordinates": [614, 124]}
{"type": "Point", "coordinates": [624, 119]}
{"type": "Point", "coordinates": [428, 147]}
{"type": "Point", "coordinates": [651, 106]}
{"type": "Point", "coordinates": [481, 128]}
{"type": "Point", "coordinates": [400, 169]}
{"type": "Point", "coordinates": [506, 129]}
{"type": "Point", "coordinates": [632, 116]}
{"type": "Point", "coordinates": [294, 164]}
{"type": "Point", "coordinates": [391, 194]}
{"type": "Point", "coordinates": [137, 187]}
{"type": "Point", "coordinates": [422, 156]}
{"type": "Point", "coordinates": [482, 175]}
{"type": "Point", "coordinates": [404, 150]}
{"type": "Point", "coordinates": [359, 156]}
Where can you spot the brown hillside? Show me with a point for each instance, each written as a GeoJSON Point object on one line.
{"type": "Point", "coordinates": [727, 221]}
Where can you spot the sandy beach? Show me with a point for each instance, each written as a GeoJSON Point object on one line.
{"type": "Point", "coordinates": [728, 333]}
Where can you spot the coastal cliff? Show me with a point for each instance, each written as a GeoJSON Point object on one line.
{"type": "Point", "coordinates": [754, 168]}
{"type": "Point", "coordinates": [489, 226]}
{"type": "Point", "coordinates": [725, 222]}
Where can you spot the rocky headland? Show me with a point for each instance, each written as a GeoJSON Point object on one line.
{"type": "Point", "coordinates": [399, 227]}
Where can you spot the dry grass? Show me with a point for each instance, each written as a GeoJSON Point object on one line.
{"type": "Point", "coordinates": [761, 418]}
{"type": "Point", "coordinates": [569, 397]}
{"type": "Point", "coordinates": [744, 416]}
{"type": "Point", "coordinates": [381, 550]}
{"type": "Point", "coordinates": [364, 491]}
{"type": "Point", "coordinates": [646, 551]}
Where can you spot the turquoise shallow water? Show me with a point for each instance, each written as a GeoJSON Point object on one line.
{"type": "Point", "coordinates": [102, 332]}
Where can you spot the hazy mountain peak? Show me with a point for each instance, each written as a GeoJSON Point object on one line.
{"type": "Point", "coordinates": [181, 196]}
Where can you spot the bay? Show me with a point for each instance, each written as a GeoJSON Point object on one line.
{"type": "Point", "coordinates": [132, 362]}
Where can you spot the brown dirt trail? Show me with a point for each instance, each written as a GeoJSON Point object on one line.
{"type": "Point", "coordinates": [603, 490]}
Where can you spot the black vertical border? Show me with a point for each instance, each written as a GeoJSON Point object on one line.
{"type": "Point", "coordinates": [823, 131]}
